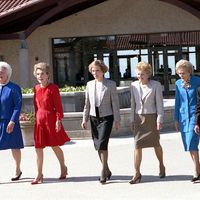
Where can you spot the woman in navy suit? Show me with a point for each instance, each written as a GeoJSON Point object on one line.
{"type": "Point", "coordinates": [185, 107]}
{"type": "Point", "coordinates": [10, 104]}
{"type": "Point", "coordinates": [102, 108]}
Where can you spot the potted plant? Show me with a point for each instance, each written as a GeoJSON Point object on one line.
{"type": "Point", "coordinates": [26, 120]}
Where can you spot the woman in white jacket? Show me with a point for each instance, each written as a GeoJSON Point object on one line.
{"type": "Point", "coordinates": [147, 117]}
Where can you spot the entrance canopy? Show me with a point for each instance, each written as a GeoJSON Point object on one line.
{"type": "Point", "coordinates": [19, 18]}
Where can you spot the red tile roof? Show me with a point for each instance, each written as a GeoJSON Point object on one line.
{"type": "Point", "coordinates": [10, 6]}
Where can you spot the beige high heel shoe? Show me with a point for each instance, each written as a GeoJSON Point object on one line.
{"type": "Point", "coordinates": [136, 179]}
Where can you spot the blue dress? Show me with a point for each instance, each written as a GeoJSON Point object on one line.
{"type": "Point", "coordinates": [10, 107]}
{"type": "Point", "coordinates": [185, 107]}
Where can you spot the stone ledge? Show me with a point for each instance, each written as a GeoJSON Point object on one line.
{"type": "Point", "coordinates": [72, 122]}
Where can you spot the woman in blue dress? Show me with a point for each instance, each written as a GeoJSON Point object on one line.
{"type": "Point", "coordinates": [185, 107]}
{"type": "Point", "coordinates": [10, 107]}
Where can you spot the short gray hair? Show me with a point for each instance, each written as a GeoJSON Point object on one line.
{"type": "Point", "coordinates": [8, 68]}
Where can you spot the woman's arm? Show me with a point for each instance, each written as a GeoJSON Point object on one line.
{"type": "Point", "coordinates": [176, 109]}
{"type": "Point", "coordinates": [86, 109]}
{"type": "Point", "coordinates": [197, 113]}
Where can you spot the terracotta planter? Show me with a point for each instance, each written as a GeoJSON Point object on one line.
{"type": "Point", "coordinates": [27, 129]}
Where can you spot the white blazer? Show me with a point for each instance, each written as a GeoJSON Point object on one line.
{"type": "Point", "coordinates": [109, 102]}
{"type": "Point", "coordinates": [151, 103]}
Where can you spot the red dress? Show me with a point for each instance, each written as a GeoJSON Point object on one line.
{"type": "Point", "coordinates": [48, 109]}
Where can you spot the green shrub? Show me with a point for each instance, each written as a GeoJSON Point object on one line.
{"type": "Point", "coordinates": [63, 89]}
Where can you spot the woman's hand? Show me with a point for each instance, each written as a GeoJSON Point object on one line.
{"type": "Point", "coordinates": [117, 125]}
{"type": "Point", "coordinates": [159, 126]}
{"type": "Point", "coordinates": [58, 125]}
{"type": "Point", "coordinates": [196, 129]}
{"type": "Point", "coordinates": [84, 125]}
{"type": "Point", "coordinates": [10, 127]}
{"type": "Point", "coordinates": [176, 124]}
{"type": "Point", "coordinates": [132, 126]}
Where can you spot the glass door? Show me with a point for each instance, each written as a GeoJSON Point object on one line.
{"type": "Point", "coordinates": [163, 63]}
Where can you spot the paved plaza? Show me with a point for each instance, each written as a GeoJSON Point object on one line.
{"type": "Point", "coordinates": [84, 168]}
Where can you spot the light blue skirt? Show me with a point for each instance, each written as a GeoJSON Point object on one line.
{"type": "Point", "coordinates": [190, 141]}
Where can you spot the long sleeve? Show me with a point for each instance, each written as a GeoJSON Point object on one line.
{"type": "Point", "coordinates": [115, 103]}
{"type": "Point", "coordinates": [86, 109]}
{"type": "Point", "coordinates": [34, 101]}
{"type": "Point", "coordinates": [177, 105]}
{"type": "Point", "coordinates": [17, 99]}
{"type": "Point", "coordinates": [197, 113]}
{"type": "Point", "coordinates": [159, 103]}
{"type": "Point", "coordinates": [132, 105]}
{"type": "Point", "coordinates": [57, 103]}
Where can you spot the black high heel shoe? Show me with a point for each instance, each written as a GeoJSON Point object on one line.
{"type": "Point", "coordinates": [103, 177]}
{"type": "Point", "coordinates": [162, 173]}
{"type": "Point", "coordinates": [195, 178]}
{"type": "Point", "coordinates": [16, 178]}
{"type": "Point", "coordinates": [109, 174]}
{"type": "Point", "coordinates": [136, 179]}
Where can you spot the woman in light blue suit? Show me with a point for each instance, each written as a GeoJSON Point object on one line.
{"type": "Point", "coordinates": [102, 108]}
{"type": "Point", "coordinates": [185, 107]}
{"type": "Point", "coordinates": [10, 107]}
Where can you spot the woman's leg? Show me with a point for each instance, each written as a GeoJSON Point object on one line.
{"type": "Point", "coordinates": [195, 158]}
{"type": "Point", "coordinates": [39, 152]}
{"type": "Point", "coordinates": [103, 155]}
{"type": "Point", "coordinates": [60, 156]}
{"type": "Point", "coordinates": [137, 160]}
{"type": "Point", "coordinates": [137, 163]}
{"type": "Point", "coordinates": [159, 154]}
{"type": "Point", "coordinates": [16, 153]}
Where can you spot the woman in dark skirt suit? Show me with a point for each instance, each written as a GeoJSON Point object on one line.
{"type": "Point", "coordinates": [147, 117]}
{"type": "Point", "coordinates": [102, 108]}
{"type": "Point", "coordinates": [10, 104]}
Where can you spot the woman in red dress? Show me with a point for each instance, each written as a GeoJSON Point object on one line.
{"type": "Point", "coordinates": [48, 130]}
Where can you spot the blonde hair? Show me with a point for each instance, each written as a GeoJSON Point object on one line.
{"type": "Point", "coordinates": [42, 66]}
{"type": "Point", "coordinates": [185, 65]}
{"type": "Point", "coordinates": [145, 67]}
{"type": "Point", "coordinates": [104, 68]}
{"type": "Point", "coordinates": [8, 68]}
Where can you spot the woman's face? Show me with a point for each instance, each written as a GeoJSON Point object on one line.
{"type": "Point", "coordinates": [42, 77]}
{"type": "Point", "coordinates": [183, 74]}
{"type": "Point", "coordinates": [142, 76]}
{"type": "Point", "coordinates": [3, 75]}
{"type": "Point", "coordinates": [97, 73]}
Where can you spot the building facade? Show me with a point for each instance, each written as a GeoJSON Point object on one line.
{"type": "Point", "coordinates": [120, 32]}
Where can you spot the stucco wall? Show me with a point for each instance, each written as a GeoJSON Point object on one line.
{"type": "Point", "coordinates": [107, 18]}
{"type": "Point", "coordinates": [119, 17]}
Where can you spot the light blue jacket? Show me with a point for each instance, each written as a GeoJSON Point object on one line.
{"type": "Point", "coordinates": [185, 104]}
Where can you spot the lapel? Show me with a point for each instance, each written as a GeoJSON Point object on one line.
{"type": "Point", "coordinates": [93, 91]}
{"type": "Point", "coordinates": [104, 86]}
{"type": "Point", "coordinates": [149, 89]}
{"type": "Point", "coordinates": [186, 92]}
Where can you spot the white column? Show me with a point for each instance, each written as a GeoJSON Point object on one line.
{"type": "Point", "coordinates": [24, 65]}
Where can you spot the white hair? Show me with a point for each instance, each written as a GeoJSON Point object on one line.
{"type": "Point", "coordinates": [8, 68]}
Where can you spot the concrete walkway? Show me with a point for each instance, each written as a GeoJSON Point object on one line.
{"type": "Point", "coordinates": [84, 170]}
